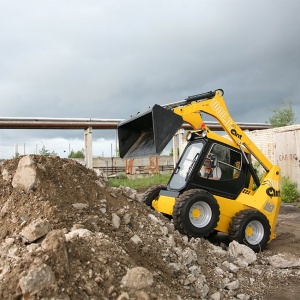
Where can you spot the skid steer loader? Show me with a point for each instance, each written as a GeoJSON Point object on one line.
{"type": "Point", "coordinates": [214, 186]}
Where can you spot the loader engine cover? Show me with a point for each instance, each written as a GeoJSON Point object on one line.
{"type": "Point", "coordinates": [147, 134]}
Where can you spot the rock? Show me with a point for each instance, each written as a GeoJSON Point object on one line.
{"type": "Point", "coordinates": [234, 285]}
{"type": "Point", "coordinates": [185, 239]}
{"type": "Point", "coordinates": [201, 287]}
{"type": "Point", "coordinates": [241, 254]}
{"type": "Point", "coordinates": [116, 221]}
{"type": "Point", "coordinates": [35, 230]}
{"type": "Point", "coordinates": [77, 226]}
{"type": "Point", "coordinates": [188, 256]}
{"type": "Point", "coordinates": [101, 174]}
{"type": "Point", "coordinates": [82, 233]}
{"type": "Point", "coordinates": [12, 252]}
{"type": "Point", "coordinates": [36, 280]}
{"type": "Point", "coordinates": [128, 192]}
{"type": "Point", "coordinates": [215, 296]}
{"type": "Point", "coordinates": [6, 175]}
{"type": "Point", "coordinates": [137, 278]}
{"type": "Point", "coordinates": [171, 241]}
{"type": "Point", "coordinates": [164, 230]}
{"type": "Point", "coordinates": [9, 241]}
{"type": "Point", "coordinates": [175, 267]}
{"type": "Point", "coordinates": [283, 261]}
{"type": "Point", "coordinates": [123, 296]}
{"type": "Point", "coordinates": [103, 210]}
{"type": "Point", "coordinates": [218, 250]}
{"type": "Point", "coordinates": [127, 218]}
{"type": "Point", "coordinates": [56, 247]}
{"type": "Point", "coordinates": [243, 297]}
{"type": "Point", "coordinates": [136, 239]}
{"type": "Point", "coordinates": [230, 266]}
{"type": "Point", "coordinates": [80, 205]}
{"type": "Point", "coordinates": [114, 195]}
{"type": "Point", "coordinates": [26, 177]}
{"type": "Point", "coordinates": [102, 184]}
{"type": "Point", "coordinates": [219, 271]}
{"type": "Point", "coordinates": [142, 295]}
{"type": "Point", "coordinates": [6, 208]}
{"type": "Point", "coordinates": [154, 218]}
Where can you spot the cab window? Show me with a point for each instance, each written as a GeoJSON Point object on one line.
{"type": "Point", "coordinates": [228, 163]}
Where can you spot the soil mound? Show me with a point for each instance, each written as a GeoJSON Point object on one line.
{"type": "Point", "coordinates": [66, 234]}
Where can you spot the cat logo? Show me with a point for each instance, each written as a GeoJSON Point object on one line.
{"type": "Point", "coordinates": [234, 132]}
{"type": "Point", "coordinates": [271, 191]}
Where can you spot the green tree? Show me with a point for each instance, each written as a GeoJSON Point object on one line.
{"type": "Point", "coordinates": [283, 115]}
{"type": "Point", "coordinates": [78, 154]}
{"type": "Point", "coordinates": [45, 152]}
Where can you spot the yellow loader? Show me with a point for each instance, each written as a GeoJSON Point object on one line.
{"type": "Point", "coordinates": [214, 186]}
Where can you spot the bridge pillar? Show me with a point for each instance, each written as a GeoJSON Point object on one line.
{"type": "Point", "coordinates": [88, 147]}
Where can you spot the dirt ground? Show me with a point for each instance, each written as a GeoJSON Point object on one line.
{"type": "Point", "coordinates": [99, 234]}
{"type": "Point", "coordinates": [287, 241]}
{"type": "Point", "coordinates": [287, 231]}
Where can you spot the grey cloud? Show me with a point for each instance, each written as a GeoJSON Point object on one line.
{"type": "Point", "coordinates": [111, 59]}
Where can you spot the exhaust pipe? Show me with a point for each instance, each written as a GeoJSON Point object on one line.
{"type": "Point", "coordinates": [147, 134]}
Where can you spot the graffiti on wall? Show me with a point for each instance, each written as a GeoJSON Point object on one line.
{"type": "Point", "coordinates": [285, 157]}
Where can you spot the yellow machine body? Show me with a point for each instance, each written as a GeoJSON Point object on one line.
{"type": "Point", "coordinates": [148, 134]}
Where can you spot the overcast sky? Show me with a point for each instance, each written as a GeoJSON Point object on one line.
{"type": "Point", "coordinates": [110, 59]}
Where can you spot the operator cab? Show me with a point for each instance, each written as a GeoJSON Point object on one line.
{"type": "Point", "coordinates": [212, 166]}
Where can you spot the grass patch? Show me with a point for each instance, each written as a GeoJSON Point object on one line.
{"type": "Point", "coordinates": [289, 191]}
{"type": "Point", "coordinates": [289, 188]}
{"type": "Point", "coordinates": [140, 183]}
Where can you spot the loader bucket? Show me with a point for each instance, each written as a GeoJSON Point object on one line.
{"type": "Point", "coordinates": [147, 134]}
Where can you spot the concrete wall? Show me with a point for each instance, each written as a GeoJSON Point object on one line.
{"type": "Point", "coordinates": [282, 147]}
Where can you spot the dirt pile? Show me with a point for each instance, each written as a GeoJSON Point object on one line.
{"type": "Point", "coordinates": [66, 234]}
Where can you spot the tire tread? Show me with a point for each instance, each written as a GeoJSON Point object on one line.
{"type": "Point", "coordinates": [178, 219]}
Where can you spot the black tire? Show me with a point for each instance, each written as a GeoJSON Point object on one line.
{"type": "Point", "coordinates": [196, 213]}
{"type": "Point", "coordinates": [252, 228]}
{"type": "Point", "coordinates": [152, 193]}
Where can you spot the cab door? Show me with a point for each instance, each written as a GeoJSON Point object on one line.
{"type": "Point", "coordinates": [185, 165]}
{"type": "Point", "coordinates": [232, 172]}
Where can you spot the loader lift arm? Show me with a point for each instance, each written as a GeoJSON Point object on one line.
{"type": "Point", "coordinates": [149, 133]}
{"type": "Point", "coordinates": [213, 104]}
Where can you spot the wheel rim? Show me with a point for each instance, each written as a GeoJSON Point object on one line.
{"type": "Point", "coordinates": [200, 214]}
{"type": "Point", "coordinates": [254, 232]}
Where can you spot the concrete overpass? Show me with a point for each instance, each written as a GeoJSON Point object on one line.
{"type": "Point", "coordinates": [88, 125]}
